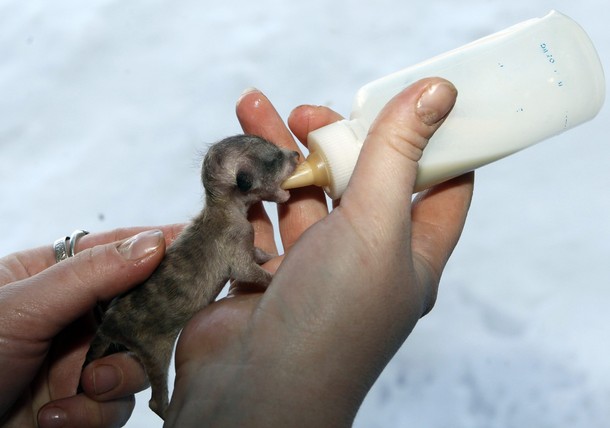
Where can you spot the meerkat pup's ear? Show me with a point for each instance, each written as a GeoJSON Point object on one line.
{"type": "Point", "coordinates": [244, 180]}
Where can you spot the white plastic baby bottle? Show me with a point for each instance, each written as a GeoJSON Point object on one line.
{"type": "Point", "coordinates": [516, 88]}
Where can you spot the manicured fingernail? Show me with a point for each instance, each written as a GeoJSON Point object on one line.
{"type": "Point", "coordinates": [249, 90]}
{"type": "Point", "coordinates": [139, 246]}
{"type": "Point", "coordinates": [52, 417]}
{"type": "Point", "coordinates": [105, 378]}
{"type": "Point", "coordinates": [246, 92]}
{"type": "Point", "coordinates": [436, 101]}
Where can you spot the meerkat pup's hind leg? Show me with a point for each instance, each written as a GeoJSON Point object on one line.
{"type": "Point", "coordinates": [156, 363]}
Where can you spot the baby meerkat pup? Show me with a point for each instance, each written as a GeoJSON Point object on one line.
{"type": "Point", "coordinates": [217, 246]}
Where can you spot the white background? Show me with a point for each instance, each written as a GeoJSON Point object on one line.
{"type": "Point", "coordinates": [106, 104]}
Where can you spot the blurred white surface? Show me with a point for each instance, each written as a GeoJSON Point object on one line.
{"type": "Point", "coordinates": [105, 105]}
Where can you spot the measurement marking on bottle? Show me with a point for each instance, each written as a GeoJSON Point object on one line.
{"type": "Point", "coordinates": [547, 52]}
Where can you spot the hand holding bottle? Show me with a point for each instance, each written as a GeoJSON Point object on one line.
{"type": "Point", "coordinates": [517, 87]}
{"type": "Point", "coordinates": [349, 291]}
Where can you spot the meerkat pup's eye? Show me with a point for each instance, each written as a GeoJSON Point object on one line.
{"type": "Point", "coordinates": [244, 181]}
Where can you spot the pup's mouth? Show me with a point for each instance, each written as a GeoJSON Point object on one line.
{"type": "Point", "coordinates": [281, 195]}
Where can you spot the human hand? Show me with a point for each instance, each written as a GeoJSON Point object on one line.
{"type": "Point", "coordinates": [46, 323]}
{"type": "Point", "coordinates": [351, 288]}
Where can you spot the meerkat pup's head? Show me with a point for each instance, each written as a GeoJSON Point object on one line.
{"type": "Point", "coordinates": [247, 168]}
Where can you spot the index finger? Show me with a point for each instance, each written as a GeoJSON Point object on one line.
{"type": "Point", "coordinates": [257, 116]}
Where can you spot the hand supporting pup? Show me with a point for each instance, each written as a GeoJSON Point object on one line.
{"type": "Point", "coordinates": [46, 323]}
{"type": "Point", "coordinates": [347, 294]}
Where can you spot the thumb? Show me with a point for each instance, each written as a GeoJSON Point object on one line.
{"type": "Point", "coordinates": [387, 166]}
{"type": "Point", "coordinates": [49, 301]}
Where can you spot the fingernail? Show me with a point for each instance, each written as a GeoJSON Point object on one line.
{"type": "Point", "coordinates": [248, 90]}
{"type": "Point", "coordinates": [141, 245]}
{"type": "Point", "coordinates": [436, 101]}
{"type": "Point", "coordinates": [105, 378]}
{"type": "Point", "coordinates": [52, 417]}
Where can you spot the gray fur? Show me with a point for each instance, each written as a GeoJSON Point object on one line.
{"type": "Point", "coordinates": [217, 246]}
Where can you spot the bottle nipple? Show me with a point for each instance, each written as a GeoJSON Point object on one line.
{"type": "Point", "coordinates": [312, 171]}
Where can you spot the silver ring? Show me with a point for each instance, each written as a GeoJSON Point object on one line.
{"type": "Point", "coordinates": [66, 247]}
{"type": "Point", "coordinates": [61, 251]}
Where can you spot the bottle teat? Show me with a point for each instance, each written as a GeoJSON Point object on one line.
{"type": "Point", "coordinates": [312, 171]}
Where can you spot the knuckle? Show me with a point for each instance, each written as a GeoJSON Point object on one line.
{"type": "Point", "coordinates": [428, 279]}
{"type": "Point", "coordinates": [92, 265]}
{"type": "Point", "coordinates": [403, 140]}
{"type": "Point", "coordinates": [84, 266]}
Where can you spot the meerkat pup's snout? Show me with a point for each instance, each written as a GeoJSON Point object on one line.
{"type": "Point", "coordinates": [256, 166]}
